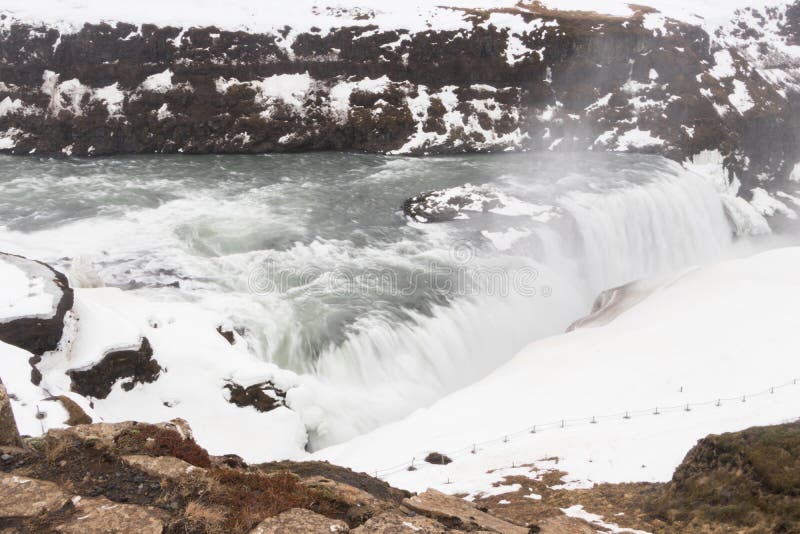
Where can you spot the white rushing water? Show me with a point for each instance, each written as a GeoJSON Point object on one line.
{"type": "Point", "coordinates": [311, 256]}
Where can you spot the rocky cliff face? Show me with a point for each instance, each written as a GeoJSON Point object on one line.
{"type": "Point", "coordinates": [525, 77]}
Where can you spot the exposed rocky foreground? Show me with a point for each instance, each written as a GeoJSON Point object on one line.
{"type": "Point", "coordinates": [524, 77]}
{"type": "Point", "coordinates": [128, 477]}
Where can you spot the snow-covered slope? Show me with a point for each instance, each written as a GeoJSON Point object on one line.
{"type": "Point", "coordinates": [611, 402]}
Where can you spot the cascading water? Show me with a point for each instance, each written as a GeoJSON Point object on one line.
{"type": "Point", "coordinates": [291, 247]}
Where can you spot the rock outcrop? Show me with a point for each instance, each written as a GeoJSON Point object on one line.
{"type": "Point", "coordinates": [264, 396]}
{"type": "Point", "coordinates": [523, 77]}
{"type": "Point", "coordinates": [9, 435]}
{"type": "Point", "coordinates": [32, 314]}
{"type": "Point", "coordinates": [743, 482]}
{"type": "Point", "coordinates": [135, 366]}
{"type": "Point", "coordinates": [147, 478]}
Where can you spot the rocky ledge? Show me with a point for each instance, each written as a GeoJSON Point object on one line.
{"type": "Point", "coordinates": [461, 80]}
{"type": "Point", "coordinates": [154, 478]}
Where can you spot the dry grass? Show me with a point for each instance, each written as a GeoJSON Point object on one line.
{"type": "Point", "coordinates": [156, 441]}
{"type": "Point", "coordinates": [207, 518]}
{"type": "Point", "coordinates": [249, 498]}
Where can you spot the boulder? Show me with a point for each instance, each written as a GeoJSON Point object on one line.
{"type": "Point", "coordinates": [167, 467]}
{"type": "Point", "coordinates": [358, 504]}
{"type": "Point", "coordinates": [264, 396]}
{"type": "Point", "coordinates": [34, 299]}
{"type": "Point", "coordinates": [458, 513]}
{"type": "Point", "coordinates": [135, 366]}
{"type": "Point", "coordinates": [447, 204]}
{"type": "Point", "coordinates": [396, 523]}
{"type": "Point", "coordinates": [9, 434]}
{"type": "Point", "coordinates": [300, 520]}
{"type": "Point", "coordinates": [101, 516]}
{"type": "Point", "coordinates": [22, 497]}
{"type": "Point", "coordinates": [173, 439]}
{"type": "Point", "coordinates": [561, 524]}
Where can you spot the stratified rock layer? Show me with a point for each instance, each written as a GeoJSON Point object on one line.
{"type": "Point", "coordinates": [525, 77]}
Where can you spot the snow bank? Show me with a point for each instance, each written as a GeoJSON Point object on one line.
{"type": "Point", "coordinates": [196, 364]}
{"type": "Point", "coordinates": [26, 294]}
{"type": "Point", "coordinates": [722, 332]}
{"type": "Point", "coordinates": [301, 15]}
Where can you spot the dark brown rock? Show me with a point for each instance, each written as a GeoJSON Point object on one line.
{"type": "Point", "coordinates": [38, 335]}
{"type": "Point", "coordinates": [264, 397]}
{"type": "Point", "coordinates": [133, 366]}
{"type": "Point", "coordinates": [438, 459]}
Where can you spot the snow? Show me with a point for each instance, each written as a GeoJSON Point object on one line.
{"type": "Point", "coordinates": [9, 105]}
{"type": "Point", "coordinates": [28, 400]}
{"type": "Point", "coordinates": [723, 65]}
{"type": "Point", "coordinates": [415, 15]}
{"type": "Point", "coordinates": [737, 341]}
{"type": "Point", "coordinates": [768, 205]}
{"type": "Point", "coordinates": [340, 93]}
{"type": "Point", "coordinates": [197, 362]}
{"type": "Point", "coordinates": [163, 112]}
{"type": "Point", "coordinates": [112, 96]}
{"type": "Point", "coordinates": [8, 138]}
{"type": "Point", "coordinates": [288, 88]}
{"type": "Point", "coordinates": [158, 83]}
{"type": "Point", "coordinates": [740, 98]}
{"type": "Point", "coordinates": [636, 139]}
{"type": "Point", "coordinates": [578, 512]}
{"type": "Point", "coordinates": [70, 92]}
{"type": "Point", "coordinates": [25, 294]}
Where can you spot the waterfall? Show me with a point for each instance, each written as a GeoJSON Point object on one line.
{"type": "Point", "coordinates": [386, 369]}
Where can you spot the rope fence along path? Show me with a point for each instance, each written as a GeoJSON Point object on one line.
{"type": "Point", "coordinates": [530, 431]}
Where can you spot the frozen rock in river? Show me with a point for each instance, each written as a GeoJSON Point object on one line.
{"type": "Point", "coordinates": [447, 204]}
